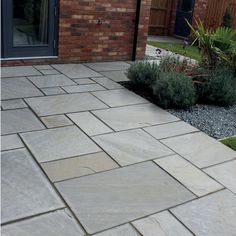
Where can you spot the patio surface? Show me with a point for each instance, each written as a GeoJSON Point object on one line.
{"type": "Point", "coordinates": [81, 155]}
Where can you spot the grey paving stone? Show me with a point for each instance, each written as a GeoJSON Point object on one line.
{"type": "Point", "coordinates": [212, 215]}
{"type": "Point", "coordinates": [89, 123]}
{"type": "Point", "coordinates": [123, 230]}
{"type": "Point", "coordinates": [53, 91]}
{"type": "Point", "coordinates": [118, 196]}
{"type": "Point", "coordinates": [61, 104]}
{"type": "Point", "coordinates": [51, 81]}
{"type": "Point", "coordinates": [25, 190]}
{"type": "Point", "coordinates": [59, 223]}
{"type": "Point", "coordinates": [108, 66]}
{"type": "Point", "coordinates": [131, 146]}
{"type": "Point", "coordinates": [161, 224]}
{"type": "Point", "coordinates": [119, 97]}
{"type": "Point", "coordinates": [84, 81]}
{"type": "Point", "coordinates": [56, 121]}
{"type": "Point", "coordinates": [49, 72]}
{"type": "Point", "coordinates": [117, 76]}
{"type": "Point", "coordinates": [76, 71]}
{"type": "Point", "coordinates": [59, 143]}
{"type": "Point", "coordinates": [224, 173]}
{"type": "Point", "coordinates": [83, 88]}
{"type": "Point", "coordinates": [13, 104]}
{"type": "Point", "coordinates": [43, 67]}
{"type": "Point", "coordinates": [189, 175]}
{"type": "Point", "coordinates": [20, 120]}
{"type": "Point", "coordinates": [18, 88]}
{"type": "Point", "coordinates": [171, 129]}
{"type": "Point", "coordinates": [15, 71]}
{"type": "Point", "coordinates": [107, 83]}
{"type": "Point", "coordinates": [11, 142]}
{"type": "Point", "coordinates": [200, 149]}
{"type": "Point", "coordinates": [78, 166]}
{"type": "Point", "coordinates": [137, 116]}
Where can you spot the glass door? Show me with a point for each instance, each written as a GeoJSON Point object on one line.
{"type": "Point", "coordinates": [28, 28]}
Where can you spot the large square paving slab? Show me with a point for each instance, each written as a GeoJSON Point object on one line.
{"type": "Point", "coordinates": [108, 66]}
{"type": "Point", "coordinates": [59, 143]}
{"type": "Point", "coordinates": [59, 223]}
{"type": "Point", "coordinates": [104, 200]}
{"type": "Point", "coordinates": [136, 116]}
{"type": "Point", "coordinates": [117, 76]}
{"type": "Point", "coordinates": [132, 146]}
{"type": "Point", "coordinates": [18, 88]}
{"type": "Point", "coordinates": [60, 104]}
{"type": "Point", "coordinates": [15, 71]}
{"type": "Point", "coordinates": [213, 215]}
{"type": "Point", "coordinates": [25, 190]}
{"type": "Point", "coordinates": [200, 149]}
{"type": "Point", "coordinates": [20, 120]}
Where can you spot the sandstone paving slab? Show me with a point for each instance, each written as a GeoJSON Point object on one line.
{"type": "Point", "coordinates": [49, 72]}
{"type": "Point", "coordinates": [212, 215]}
{"type": "Point", "coordinates": [53, 91]}
{"type": "Point", "coordinates": [107, 83]}
{"type": "Point", "coordinates": [18, 87]}
{"type": "Point", "coordinates": [117, 76]}
{"type": "Point", "coordinates": [83, 88]}
{"type": "Point", "coordinates": [76, 71]}
{"type": "Point", "coordinates": [200, 149]}
{"type": "Point", "coordinates": [11, 142]}
{"type": "Point", "coordinates": [137, 116]}
{"type": "Point", "coordinates": [51, 81]}
{"type": "Point", "coordinates": [19, 120]}
{"type": "Point", "coordinates": [161, 224]}
{"type": "Point", "coordinates": [78, 166]}
{"type": "Point", "coordinates": [58, 223]}
{"type": "Point", "coordinates": [89, 123]}
{"type": "Point", "coordinates": [15, 71]}
{"type": "Point", "coordinates": [25, 190]}
{"type": "Point", "coordinates": [56, 121]}
{"type": "Point", "coordinates": [119, 97]}
{"type": "Point", "coordinates": [224, 173]}
{"type": "Point", "coordinates": [189, 175]}
{"type": "Point", "coordinates": [59, 143]}
{"type": "Point", "coordinates": [171, 129]}
{"type": "Point", "coordinates": [61, 104]}
{"type": "Point", "coordinates": [108, 66]}
{"type": "Point", "coordinates": [43, 67]}
{"type": "Point", "coordinates": [13, 104]}
{"type": "Point", "coordinates": [111, 198]}
{"type": "Point", "coordinates": [84, 81]}
{"type": "Point", "coordinates": [132, 146]}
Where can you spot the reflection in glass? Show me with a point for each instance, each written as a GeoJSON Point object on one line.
{"type": "Point", "coordinates": [30, 22]}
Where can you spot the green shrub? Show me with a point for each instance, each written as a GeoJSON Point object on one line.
{"type": "Point", "coordinates": [174, 90]}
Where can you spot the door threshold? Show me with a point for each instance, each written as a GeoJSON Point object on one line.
{"type": "Point", "coordinates": [28, 58]}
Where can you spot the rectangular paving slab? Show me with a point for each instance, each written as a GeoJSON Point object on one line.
{"type": "Point", "coordinates": [15, 71]}
{"type": "Point", "coordinates": [13, 104]}
{"type": "Point", "coordinates": [83, 88]}
{"type": "Point", "coordinates": [108, 199]}
{"type": "Point", "coordinates": [61, 104]}
{"type": "Point", "coordinates": [107, 83]}
{"type": "Point", "coordinates": [56, 121]}
{"type": "Point", "coordinates": [212, 215]}
{"type": "Point", "coordinates": [136, 116]}
{"type": "Point", "coordinates": [25, 190]}
{"type": "Point", "coordinates": [108, 66]}
{"type": "Point", "coordinates": [11, 142]}
{"type": "Point", "coordinates": [117, 76]}
{"type": "Point", "coordinates": [59, 143]}
{"type": "Point", "coordinates": [53, 91]}
{"type": "Point", "coordinates": [19, 120]}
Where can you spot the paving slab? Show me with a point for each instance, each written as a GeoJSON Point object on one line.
{"type": "Point", "coordinates": [76, 71]}
{"type": "Point", "coordinates": [13, 104]}
{"type": "Point", "coordinates": [170, 130]}
{"type": "Point", "coordinates": [107, 83]}
{"type": "Point", "coordinates": [132, 146]}
{"type": "Point", "coordinates": [137, 116]}
{"type": "Point", "coordinates": [118, 196]}
{"type": "Point", "coordinates": [56, 121]}
{"type": "Point", "coordinates": [49, 72]}
{"type": "Point", "coordinates": [19, 120]}
{"type": "Point", "coordinates": [61, 104]}
{"type": "Point", "coordinates": [83, 88]}
{"type": "Point", "coordinates": [224, 173]}
{"type": "Point", "coordinates": [84, 81]}
{"type": "Point", "coordinates": [25, 190]}
{"type": "Point", "coordinates": [18, 87]}
{"type": "Point", "coordinates": [117, 76]}
{"type": "Point", "coordinates": [161, 224]}
{"type": "Point", "coordinates": [200, 149]}
{"type": "Point", "coordinates": [11, 142]}
{"type": "Point", "coordinates": [53, 91]}
{"type": "Point", "coordinates": [89, 123]}
{"type": "Point", "coordinates": [119, 97]}
{"type": "Point", "coordinates": [16, 71]}
{"type": "Point", "coordinates": [78, 166]}
{"type": "Point", "coordinates": [189, 175]}
{"type": "Point", "coordinates": [59, 143]}
{"type": "Point", "coordinates": [51, 81]}
{"type": "Point", "coordinates": [108, 66]}
{"type": "Point", "coordinates": [59, 223]}
{"type": "Point", "coordinates": [43, 67]}
{"type": "Point", "coordinates": [212, 215]}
